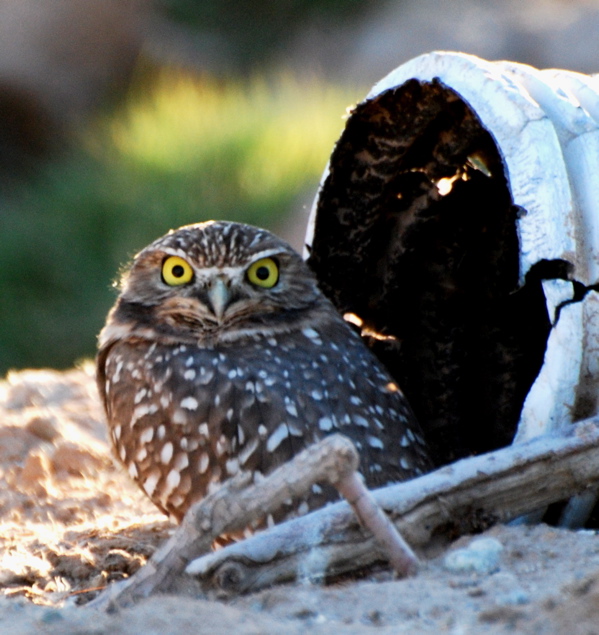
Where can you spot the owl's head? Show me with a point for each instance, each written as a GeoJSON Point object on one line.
{"type": "Point", "coordinates": [213, 282]}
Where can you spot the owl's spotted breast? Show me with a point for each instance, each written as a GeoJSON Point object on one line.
{"type": "Point", "coordinates": [183, 419]}
{"type": "Point", "coordinates": [213, 368]}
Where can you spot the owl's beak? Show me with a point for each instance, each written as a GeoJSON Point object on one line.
{"type": "Point", "coordinates": [219, 297]}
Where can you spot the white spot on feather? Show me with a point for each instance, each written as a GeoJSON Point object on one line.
{"type": "Point", "coordinates": [375, 442]}
{"type": "Point", "coordinates": [172, 481]}
{"type": "Point", "coordinates": [147, 435]}
{"type": "Point", "coordinates": [291, 408]}
{"type": "Point", "coordinates": [325, 424]}
{"type": "Point", "coordinates": [247, 451]}
{"type": "Point", "coordinates": [150, 483]}
{"type": "Point", "coordinates": [205, 376]}
{"type": "Point", "coordinates": [139, 412]}
{"type": "Point", "coordinates": [203, 463]}
{"type": "Point", "coordinates": [277, 437]}
{"type": "Point", "coordinates": [312, 335]}
{"type": "Point", "coordinates": [179, 417]}
{"type": "Point", "coordinates": [359, 420]}
{"type": "Point", "coordinates": [181, 461]}
{"type": "Point", "coordinates": [222, 445]}
{"type": "Point", "coordinates": [189, 403]}
{"type": "Point", "coordinates": [232, 466]}
{"type": "Point", "coordinates": [166, 454]}
{"type": "Point", "coordinates": [303, 508]}
{"type": "Point", "coordinates": [117, 373]}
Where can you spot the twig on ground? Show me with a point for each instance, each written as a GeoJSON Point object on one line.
{"type": "Point", "coordinates": [238, 503]}
{"type": "Point", "coordinates": [465, 497]}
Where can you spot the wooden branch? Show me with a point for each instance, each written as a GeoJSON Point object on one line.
{"type": "Point", "coordinates": [237, 504]}
{"type": "Point", "coordinates": [466, 496]}
{"type": "Point", "coordinates": [401, 557]}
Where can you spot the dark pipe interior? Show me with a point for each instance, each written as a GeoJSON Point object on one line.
{"type": "Point", "coordinates": [416, 236]}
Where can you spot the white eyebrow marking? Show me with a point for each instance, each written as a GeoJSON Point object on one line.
{"type": "Point", "coordinates": [273, 251]}
{"type": "Point", "coordinates": [206, 273]}
{"type": "Point", "coordinates": [172, 251]}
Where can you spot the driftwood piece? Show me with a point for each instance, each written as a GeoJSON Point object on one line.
{"type": "Point", "coordinates": [466, 496]}
{"type": "Point", "coordinates": [401, 557]}
{"type": "Point", "coordinates": [238, 503]}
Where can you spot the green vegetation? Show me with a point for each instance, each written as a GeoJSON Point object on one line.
{"type": "Point", "coordinates": [180, 151]}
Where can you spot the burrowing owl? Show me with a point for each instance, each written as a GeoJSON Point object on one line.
{"type": "Point", "coordinates": [221, 355]}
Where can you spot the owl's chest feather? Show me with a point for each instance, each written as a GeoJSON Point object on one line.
{"type": "Point", "coordinates": [183, 418]}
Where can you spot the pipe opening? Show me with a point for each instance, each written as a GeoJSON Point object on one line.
{"type": "Point", "coordinates": [415, 236]}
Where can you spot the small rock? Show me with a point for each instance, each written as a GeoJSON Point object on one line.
{"type": "Point", "coordinates": [517, 597]}
{"type": "Point", "coordinates": [375, 617]}
{"type": "Point", "coordinates": [480, 556]}
{"type": "Point", "coordinates": [51, 616]}
{"type": "Point", "coordinates": [72, 459]}
{"type": "Point", "coordinates": [43, 428]}
{"type": "Point", "coordinates": [15, 443]}
{"type": "Point", "coordinates": [498, 614]}
{"type": "Point", "coordinates": [305, 613]}
{"type": "Point", "coordinates": [34, 472]}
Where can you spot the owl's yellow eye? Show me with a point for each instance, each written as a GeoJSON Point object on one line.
{"type": "Point", "coordinates": [264, 273]}
{"type": "Point", "coordinates": [176, 271]}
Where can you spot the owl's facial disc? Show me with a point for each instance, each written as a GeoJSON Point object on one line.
{"type": "Point", "coordinates": [216, 282]}
{"type": "Point", "coordinates": [210, 299]}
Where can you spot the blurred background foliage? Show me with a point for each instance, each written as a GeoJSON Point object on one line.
{"type": "Point", "coordinates": [120, 119]}
{"type": "Point", "coordinates": [182, 149]}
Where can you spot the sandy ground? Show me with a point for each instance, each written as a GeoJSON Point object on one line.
{"type": "Point", "coordinates": [71, 522]}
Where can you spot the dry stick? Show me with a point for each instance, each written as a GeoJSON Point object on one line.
{"type": "Point", "coordinates": [237, 504]}
{"type": "Point", "coordinates": [401, 557]}
{"type": "Point", "coordinates": [466, 496]}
